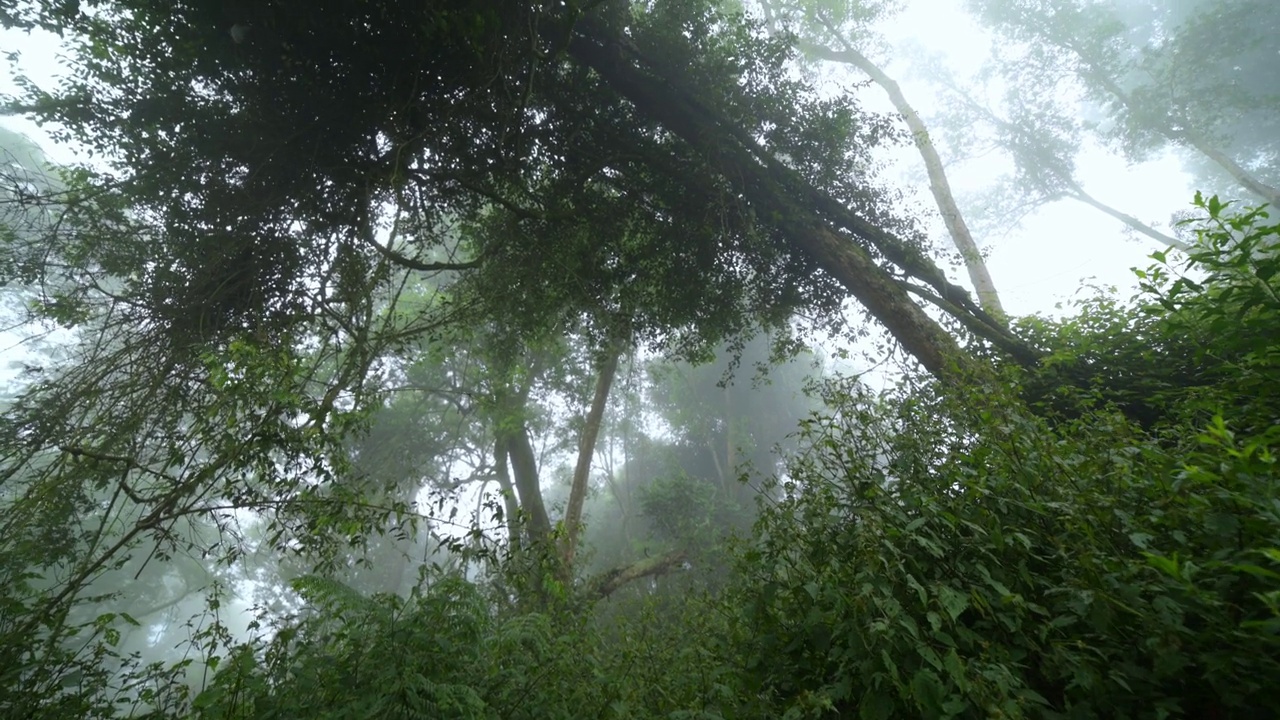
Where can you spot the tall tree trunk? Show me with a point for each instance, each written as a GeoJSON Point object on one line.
{"type": "Point", "coordinates": [524, 469]}
{"type": "Point", "coordinates": [770, 187]}
{"type": "Point", "coordinates": [510, 501]}
{"type": "Point", "coordinates": [730, 440]}
{"type": "Point", "coordinates": [586, 449]}
{"type": "Point", "coordinates": [974, 263]}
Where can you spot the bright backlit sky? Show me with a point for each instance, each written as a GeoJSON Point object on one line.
{"type": "Point", "coordinates": [1056, 249]}
{"type": "Point", "coordinates": [1061, 246]}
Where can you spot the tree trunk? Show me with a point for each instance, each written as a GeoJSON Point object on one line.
{"type": "Point", "coordinates": [510, 502]}
{"type": "Point", "coordinates": [730, 441]}
{"type": "Point", "coordinates": [607, 583]}
{"type": "Point", "coordinates": [766, 187]}
{"type": "Point", "coordinates": [524, 469]}
{"type": "Point", "coordinates": [938, 183]}
{"type": "Point", "coordinates": [586, 449]}
{"type": "Point", "coordinates": [1246, 179]}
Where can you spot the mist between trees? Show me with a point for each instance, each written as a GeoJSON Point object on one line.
{"type": "Point", "coordinates": [590, 359]}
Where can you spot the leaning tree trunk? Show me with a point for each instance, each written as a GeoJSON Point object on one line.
{"type": "Point", "coordinates": [524, 470]}
{"type": "Point", "coordinates": [510, 498]}
{"type": "Point", "coordinates": [802, 213]}
{"type": "Point", "coordinates": [1077, 193]}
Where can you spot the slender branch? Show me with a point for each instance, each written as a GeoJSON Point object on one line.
{"type": "Point", "coordinates": [413, 264]}
{"type": "Point", "coordinates": [1134, 223]}
{"type": "Point", "coordinates": [1024, 354]}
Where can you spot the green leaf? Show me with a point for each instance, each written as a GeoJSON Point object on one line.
{"type": "Point", "coordinates": [875, 705]}
{"type": "Point", "coordinates": [813, 589]}
{"type": "Point", "coordinates": [927, 691]}
{"type": "Point", "coordinates": [1166, 565]}
{"type": "Point", "coordinates": [955, 668]}
{"type": "Point", "coordinates": [953, 602]}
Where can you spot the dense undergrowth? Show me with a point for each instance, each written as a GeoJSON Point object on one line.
{"type": "Point", "coordinates": [1100, 539]}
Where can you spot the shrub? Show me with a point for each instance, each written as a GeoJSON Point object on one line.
{"type": "Point", "coordinates": [953, 555]}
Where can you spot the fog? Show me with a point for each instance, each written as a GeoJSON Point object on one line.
{"type": "Point", "coordinates": [562, 318]}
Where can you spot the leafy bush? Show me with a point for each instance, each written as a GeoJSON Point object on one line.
{"type": "Point", "coordinates": [1200, 337]}
{"type": "Point", "coordinates": [1018, 571]}
{"type": "Point", "coordinates": [448, 653]}
{"type": "Point", "coordinates": [956, 556]}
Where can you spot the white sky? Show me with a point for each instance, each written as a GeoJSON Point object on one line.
{"type": "Point", "coordinates": [1045, 260]}
{"type": "Point", "coordinates": [1061, 246]}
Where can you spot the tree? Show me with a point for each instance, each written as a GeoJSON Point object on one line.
{"type": "Point", "coordinates": [1042, 138]}
{"type": "Point", "coordinates": [237, 274]}
{"type": "Point", "coordinates": [1192, 75]}
{"type": "Point", "coordinates": [291, 141]}
{"type": "Point", "coordinates": [692, 465]}
{"type": "Point", "coordinates": [28, 186]}
{"type": "Point", "coordinates": [943, 556]}
{"type": "Point", "coordinates": [835, 34]}
{"type": "Point", "coordinates": [240, 276]}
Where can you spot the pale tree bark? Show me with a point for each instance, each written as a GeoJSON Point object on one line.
{"type": "Point", "coordinates": [586, 450]}
{"type": "Point", "coordinates": [1246, 179]}
{"type": "Point", "coordinates": [605, 584]}
{"type": "Point", "coordinates": [939, 186]}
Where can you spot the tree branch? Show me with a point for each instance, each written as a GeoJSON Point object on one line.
{"type": "Point", "coordinates": [412, 264]}
{"type": "Point", "coordinates": [938, 183]}
{"type": "Point", "coordinates": [605, 584]}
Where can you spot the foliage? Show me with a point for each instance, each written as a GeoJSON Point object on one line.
{"type": "Point", "coordinates": [1225, 300]}
{"type": "Point", "coordinates": [1198, 342]}
{"type": "Point", "coordinates": [1196, 76]}
{"type": "Point", "coordinates": [1067, 79]}
{"type": "Point", "coordinates": [305, 207]}
{"type": "Point", "coordinates": [706, 436]}
{"type": "Point", "coordinates": [287, 218]}
{"type": "Point", "coordinates": [513, 165]}
{"type": "Point", "coordinates": [444, 652]}
{"type": "Point", "coordinates": [679, 508]}
{"type": "Point", "coordinates": [1025, 573]}
{"type": "Point", "coordinates": [953, 556]}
